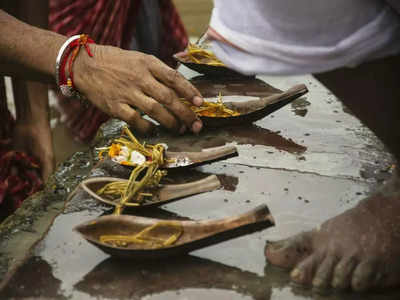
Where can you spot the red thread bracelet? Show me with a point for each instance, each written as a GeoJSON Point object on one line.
{"type": "Point", "coordinates": [67, 55]}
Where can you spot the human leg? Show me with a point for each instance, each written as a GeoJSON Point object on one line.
{"type": "Point", "coordinates": [32, 133]}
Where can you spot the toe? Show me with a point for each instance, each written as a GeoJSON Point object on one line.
{"type": "Point", "coordinates": [363, 276]}
{"type": "Point", "coordinates": [303, 273]}
{"type": "Point", "coordinates": [323, 275]}
{"type": "Point", "coordinates": [388, 275]}
{"type": "Point", "coordinates": [343, 273]}
{"type": "Point", "coordinates": [287, 253]}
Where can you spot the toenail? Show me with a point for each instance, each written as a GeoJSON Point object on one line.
{"type": "Point", "coordinates": [317, 282]}
{"type": "Point", "coordinates": [296, 274]}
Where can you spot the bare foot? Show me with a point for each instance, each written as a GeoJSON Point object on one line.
{"type": "Point", "coordinates": [358, 249]}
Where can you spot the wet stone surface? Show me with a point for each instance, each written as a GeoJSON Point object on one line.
{"type": "Point", "coordinates": [300, 161]}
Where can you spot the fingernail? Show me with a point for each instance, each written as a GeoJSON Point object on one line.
{"type": "Point", "coordinates": [196, 126]}
{"type": "Point", "coordinates": [182, 130]}
{"type": "Point", "coordinates": [276, 246]}
{"type": "Point", "coordinates": [180, 54]}
{"type": "Point", "coordinates": [197, 100]}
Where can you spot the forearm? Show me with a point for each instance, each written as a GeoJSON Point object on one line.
{"type": "Point", "coordinates": [26, 51]}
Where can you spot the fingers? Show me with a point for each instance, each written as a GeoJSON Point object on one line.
{"type": "Point", "coordinates": [173, 79]}
{"type": "Point", "coordinates": [153, 87]}
{"type": "Point", "coordinates": [133, 118]}
{"type": "Point", "coordinates": [157, 111]}
{"type": "Point", "coordinates": [169, 99]}
{"type": "Point", "coordinates": [180, 54]}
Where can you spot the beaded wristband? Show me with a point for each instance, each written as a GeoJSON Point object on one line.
{"type": "Point", "coordinates": [66, 55]}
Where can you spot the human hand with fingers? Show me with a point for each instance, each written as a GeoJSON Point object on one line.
{"type": "Point", "coordinates": [123, 83]}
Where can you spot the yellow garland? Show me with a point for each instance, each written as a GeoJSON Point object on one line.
{"type": "Point", "coordinates": [143, 236]}
{"type": "Point", "coordinates": [199, 55]}
{"type": "Point", "coordinates": [131, 190]}
{"type": "Point", "coordinates": [212, 109]}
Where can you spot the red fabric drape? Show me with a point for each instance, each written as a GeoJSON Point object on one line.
{"type": "Point", "coordinates": [19, 173]}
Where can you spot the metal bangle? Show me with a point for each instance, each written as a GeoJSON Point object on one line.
{"type": "Point", "coordinates": [60, 55]}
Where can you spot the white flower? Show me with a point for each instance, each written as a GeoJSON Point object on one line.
{"type": "Point", "coordinates": [124, 152]}
{"type": "Point", "coordinates": [137, 158]}
{"type": "Point", "coordinates": [118, 158]}
{"type": "Point", "coordinates": [164, 145]}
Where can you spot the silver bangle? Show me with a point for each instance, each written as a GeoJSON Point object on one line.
{"type": "Point", "coordinates": [66, 90]}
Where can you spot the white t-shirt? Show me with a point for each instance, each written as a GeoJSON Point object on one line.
{"type": "Point", "coordinates": [308, 36]}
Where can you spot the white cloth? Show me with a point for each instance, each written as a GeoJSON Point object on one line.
{"type": "Point", "coordinates": [308, 36]}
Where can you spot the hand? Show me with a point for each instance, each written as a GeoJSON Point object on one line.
{"type": "Point", "coordinates": [119, 81]}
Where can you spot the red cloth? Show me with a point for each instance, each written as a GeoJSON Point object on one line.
{"type": "Point", "coordinates": [109, 23]}
{"type": "Point", "coordinates": [19, 178]}
{"type": "Point", "coordinates": [174, 38]}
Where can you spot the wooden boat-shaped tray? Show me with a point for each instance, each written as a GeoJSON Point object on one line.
{"type": "Point", "coordinates": [174, 160]}
{"type": "Point", "coordinates": [205, 69]}
{"type": "Point", "coordinates": [162, 195]}
{"type": "Point", "coordinates": [212, 71]}
{"type": "Point", "coordinates": [253, 110]}
{"type": "Point", "coordinates": [193, 159]}
{"type": "Point", "coordinates": [202, 67]}
{"type": "Point", "coordinates": [196, 234]}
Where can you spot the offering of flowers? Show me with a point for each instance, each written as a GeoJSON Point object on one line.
{"type": "Point", "coordinates": [145, 158]}
{"type": "Point", "coordinates": [200, 55]}
{"type": "Point", "coordinates": [127, 150]}
{"type": "Point", "coordinates": [213, 109]}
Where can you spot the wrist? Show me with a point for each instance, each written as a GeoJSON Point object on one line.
{"type": "Point", "coordinates": [65, 62]}
{"type": "Point", "coordinates": [83, 68]}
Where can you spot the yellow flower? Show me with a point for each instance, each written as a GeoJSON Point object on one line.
{"type": "Point", "coordinates": [114, 150]}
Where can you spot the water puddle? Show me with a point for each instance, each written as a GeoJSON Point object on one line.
{"type": "Point", "coordinates": [299, 107]}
